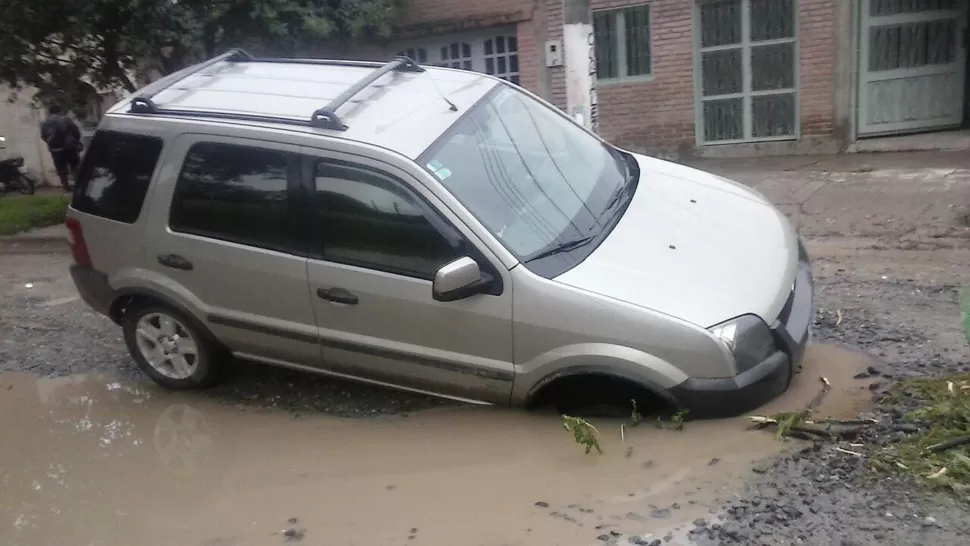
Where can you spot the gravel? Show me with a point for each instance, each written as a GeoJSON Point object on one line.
{"type": "Point", "coordinates": [45, 340]}
{"type": "Point", "coordinates": [818, 495]}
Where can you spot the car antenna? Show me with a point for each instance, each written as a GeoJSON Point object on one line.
{"type": "Point", "coordinates": [451, 105]}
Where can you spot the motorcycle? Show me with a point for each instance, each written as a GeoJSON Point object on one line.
{"type": "Point", "coordinates": [14, 175]}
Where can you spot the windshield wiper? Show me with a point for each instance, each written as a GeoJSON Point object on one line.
{"type": "Point", "coordinates": [618, 194]}
{"type": "Point", "coordinates": [622, 189]}
{"type": "Point", "coordinates": [562, 247]}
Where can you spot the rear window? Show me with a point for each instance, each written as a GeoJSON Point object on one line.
{"type": "Point", "coordinates": [115, 175]}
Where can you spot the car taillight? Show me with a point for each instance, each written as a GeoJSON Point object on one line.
{"type": "Point", "coordinates": [75, 238]}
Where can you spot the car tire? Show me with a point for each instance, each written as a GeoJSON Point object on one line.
{"type": "Point", "coordinates": [170, 349]}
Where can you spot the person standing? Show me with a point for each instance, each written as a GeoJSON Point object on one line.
{"type": "Point", "coordinates": [63, 138]}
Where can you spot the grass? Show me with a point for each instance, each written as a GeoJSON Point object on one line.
{"type": "Point", "coordinates": [941, 409]}
{"type": "Point", "coordinates": [19, 213]}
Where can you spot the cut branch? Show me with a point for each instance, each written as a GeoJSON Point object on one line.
{"type": "Point", "coordinates": [950, 444]}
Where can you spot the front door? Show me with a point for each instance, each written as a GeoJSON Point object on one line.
{"type": "Point", "coordinates": [912, 60]}
{"type": "Point", "coordinates": [379, 241]}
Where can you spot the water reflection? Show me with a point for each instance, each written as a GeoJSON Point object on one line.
{"type": "Point", "coordinates": [88, 460]}
{"type": "Point", "coordinates": [182, 439]}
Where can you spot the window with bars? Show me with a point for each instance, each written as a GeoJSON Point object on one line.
{"type": "Point", "coordinates": [417, 54]}
{"type": "Point", "coordinates": [501, 55]}
{"type": "Point", "coordinates": [747, 62]}
{"type": "Point", "coordinates": [456, 55]}
{"type": "Point", "coordinates": [622, 41]}
{"type": "Point", "coordinates": [495, 53]}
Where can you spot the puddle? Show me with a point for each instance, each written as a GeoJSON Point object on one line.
{"type": "Point", "coordinates": [95, 462]}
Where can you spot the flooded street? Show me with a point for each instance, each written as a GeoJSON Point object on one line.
{"type": "Point", "coordinates": [101, 461]}
{"type": "Point", "coordinates": [94, 455]}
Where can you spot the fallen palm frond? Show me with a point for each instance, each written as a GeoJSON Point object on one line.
{"type": "Point", "coordinates": [798, 424]}
{"type": "Point", "coordinates": [935, 451]}
{"type": "Point", "coordinates": [584, 432]}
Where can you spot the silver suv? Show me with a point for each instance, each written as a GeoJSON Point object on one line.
{"type": "Point", "coordinates": [428, 229]}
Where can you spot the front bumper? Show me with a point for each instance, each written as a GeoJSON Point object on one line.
{"type": "Point", "coordinates": [731, 396]}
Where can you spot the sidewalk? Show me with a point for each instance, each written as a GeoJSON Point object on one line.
{"type": "Point", "coordinates": [912, 198]}
{"type": "Point", "coordinates": [42, 240]}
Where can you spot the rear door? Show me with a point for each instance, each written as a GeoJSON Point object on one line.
{"type": "Point", "coordinates": [109, 197]}
{"type": "Point", "coordinates": [226, 235]}
{"type": "Point", "coordinates": [379, 237]}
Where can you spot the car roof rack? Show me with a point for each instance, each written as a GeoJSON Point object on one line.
{"type": "Point", "coordinates": [325, 118]}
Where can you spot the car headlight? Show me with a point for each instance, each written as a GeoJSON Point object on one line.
{"type": "Point", "coordinates": [748, 339]}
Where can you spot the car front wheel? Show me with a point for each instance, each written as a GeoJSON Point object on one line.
{"type": "Point", "coordinates": [169, 349]}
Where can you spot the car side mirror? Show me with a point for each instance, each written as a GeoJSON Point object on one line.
{"type": "Point", "coordinates": [459, 279]}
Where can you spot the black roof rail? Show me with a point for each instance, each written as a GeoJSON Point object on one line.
{"type": "Point", "coordinates": [326, 117]}
{"type": "Point", "coordinates": [142, 104]}
{"type": "Point", "coordinates": [325, 62]}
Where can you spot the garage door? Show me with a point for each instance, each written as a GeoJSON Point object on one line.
{"type": "Point", "coordinates": [912, 65]}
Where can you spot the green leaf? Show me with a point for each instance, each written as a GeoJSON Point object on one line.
{"type": "Point", "coordinates": [58, 45]}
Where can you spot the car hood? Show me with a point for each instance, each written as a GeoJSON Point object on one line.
{"type": "Point", "coordinates": [695, 246]}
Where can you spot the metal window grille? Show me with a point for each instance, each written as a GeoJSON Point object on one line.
{"type": "Point", "coordinates": [747, 65]}
{"type": "Point", "coordinates": [501, 55]}
{"type": "Point", "coordinates": [623, 43]}
{"type": "Point", "coordinates": [456, 55]}
{"type": "Point", "coordinates": [418, 54]}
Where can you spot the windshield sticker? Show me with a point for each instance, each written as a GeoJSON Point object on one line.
{"type": "Point", "coordinates": [443, 173]}
{"type": "Point", "coordinates": [434, 165]}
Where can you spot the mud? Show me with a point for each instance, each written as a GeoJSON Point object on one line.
{"type": "Point", "coordinates": [102, 461]}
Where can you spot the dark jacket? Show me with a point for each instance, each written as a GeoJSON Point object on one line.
{"type": "Point", "coordinates": [60, 133]}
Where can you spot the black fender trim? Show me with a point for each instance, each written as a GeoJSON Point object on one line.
{"type": "Point", "coordinates": [656, 389]}
{"type": "Point", "coordinates": [148, 293]}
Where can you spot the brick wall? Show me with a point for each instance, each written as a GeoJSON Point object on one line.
{"type": "Point", "coordinates": [528, 18]}
{"type": "Point", "coordinates": [556, 75]}
{"type": "Point", "coordinates": [657, 116]}
{"type": "Point", "coordinates": [421, 11]}
{"type": "Point", "coordinates": [816, 40]}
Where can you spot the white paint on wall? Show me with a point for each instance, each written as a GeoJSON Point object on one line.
{"type": "Point", "coordinates": [20, 124]}
{"type": "Point", "coordinates": [580, 60]}
{"type": "Point", "coordinates": [20, 121]}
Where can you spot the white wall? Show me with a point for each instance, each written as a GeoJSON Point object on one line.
{"type": "Point", "coordinates": [580, 59]}
{"type": "Point", "coordinates": [20, 124]}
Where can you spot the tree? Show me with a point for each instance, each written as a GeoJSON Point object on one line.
{"type": "Point", "coordinates": [62, 47]}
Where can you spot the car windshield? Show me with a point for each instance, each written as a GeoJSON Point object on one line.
{"type": "Point", "coordinates": [540, 183]}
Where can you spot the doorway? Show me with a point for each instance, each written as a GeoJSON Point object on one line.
{"type": "Point", "coordinates": [912, 66]}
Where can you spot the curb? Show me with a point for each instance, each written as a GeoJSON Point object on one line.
{"type": "Point", "coordinates": [16, 244]}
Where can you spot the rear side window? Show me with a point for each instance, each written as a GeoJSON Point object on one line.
{"type": "Point", "coordinates": [115, 175]}
{"type": "Point", "coordinates": [235, 193]}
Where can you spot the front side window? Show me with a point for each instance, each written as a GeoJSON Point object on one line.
{"type": "Point", "coordinates": [536, 180]}
{"type": "Point", "coordinates": [116, 174]}
{"type": "Point", "coordinates": [365, 218]}
{"type": "Point", "coordinates": [235, 193]}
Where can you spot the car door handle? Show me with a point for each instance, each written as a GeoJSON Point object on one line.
{"type": "Point", "coordinates": [337, 295]}
{"type": "Point", "coordinates": [175, 262]}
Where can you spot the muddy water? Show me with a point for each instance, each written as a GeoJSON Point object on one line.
{"type": "Point", "coordinates": [86, 460]}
